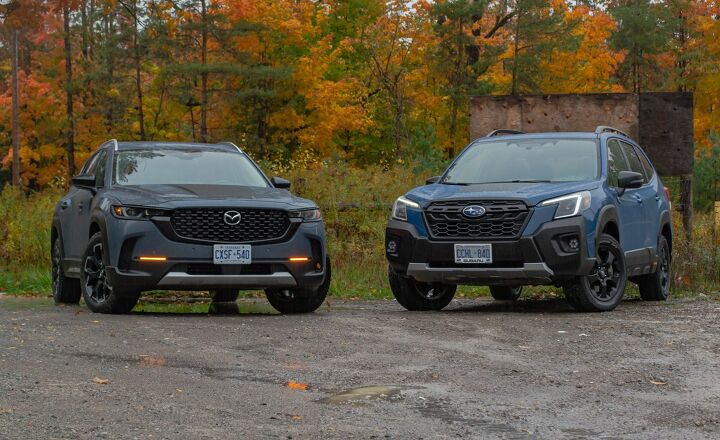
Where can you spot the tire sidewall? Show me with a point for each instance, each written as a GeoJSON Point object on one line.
{"type": "Point", "coordinates": [584, 286]}
{"type": "Point", "coordinates": [120, 300]}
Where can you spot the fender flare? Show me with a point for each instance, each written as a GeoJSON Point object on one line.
{"type": "Point", "coordinates": [608, 213]}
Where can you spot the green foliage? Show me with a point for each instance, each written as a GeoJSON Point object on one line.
{"type": "Point", "coordinates": [706, 186]}
{"type": "Point", "coordinates": [25, 227]}
{"type": "Point", "coordinates": [644, 30]}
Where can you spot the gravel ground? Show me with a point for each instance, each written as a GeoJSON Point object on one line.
{"type": "Point", "coordinates": [362, 369]}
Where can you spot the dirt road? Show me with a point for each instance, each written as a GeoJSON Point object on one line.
{"type": "Point", "coordinates": [362, 370]}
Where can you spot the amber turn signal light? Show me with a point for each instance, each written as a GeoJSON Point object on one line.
{"type": "Point", "coordinates": [152, 258]}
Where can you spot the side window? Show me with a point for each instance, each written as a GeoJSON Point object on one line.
{"type": "Point", "coordinates": [649, 170]}
{"type": "Point", "coordinates": [89, 167]}
{"type": "Point", "coordinates": [633, 159]}
{"type": "Point", "coordinates": [616, 162]}
{"type": "Point", "coordinates": [100, 166]}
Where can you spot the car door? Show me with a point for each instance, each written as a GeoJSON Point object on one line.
{"type": "Point", "coordinates": [647, 194]}
{"type": "Point", "coordinates": [629, 205]}
{"type": "Point", "coordinates": [81, 207]}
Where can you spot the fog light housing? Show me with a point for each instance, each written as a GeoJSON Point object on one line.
{"type": "Point", "coordinates": [569, 243]}
{"type": "Point", "coordinates": [392, 247]}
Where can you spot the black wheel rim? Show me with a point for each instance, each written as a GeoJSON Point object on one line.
{"type": "Point", "coordinates": [664, 270]}
{"type": "Point", "coordinates": [431, 291]}
{"type": "Point", "coordinates": [56, 262]}
{"type": "Point", "coordinates": [96, 283]}
{"type": "Point", "coordinates": [606, 276]}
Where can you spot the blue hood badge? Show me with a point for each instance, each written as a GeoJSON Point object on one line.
{"type": "Point", "coordinates": [473, 211]}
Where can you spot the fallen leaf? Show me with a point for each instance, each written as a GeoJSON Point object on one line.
{"type": "Point", "coordinates": [657, 382]}
{"type": "Point", "coordinates": [78, 311]}
{"type": "Point", "coordinates": [297, 385]}
{"type": "Point", "coordinates": [296, 417]}
{"type": "Point", "coordinates": [152, 361]}
{"type": "Point", "coordinates": [100, 381]}
{"type": "Point", "coordinates": [6, 411]}
{"type": "Point", "coordinates": [96, 322]}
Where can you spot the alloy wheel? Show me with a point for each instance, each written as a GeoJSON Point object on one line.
{"type": "Point", "coordinates": [96, 283]}
{"type": "Point", "coordinates": [56, 262]}
{"type": "Point", "coordinates": [607, 273]}
{"type": "Point", "coordinates": [430, 290]}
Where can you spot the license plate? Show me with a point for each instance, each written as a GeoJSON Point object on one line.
{"type": "Point", "coordinates": [473, 253]}
{"type": "Point", "coordinates": [232, 254]}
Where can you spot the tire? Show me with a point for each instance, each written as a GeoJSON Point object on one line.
{"type": "Point", "coordinates": [506, 293]}
{"type": "Point", "coordinates": [99, 295]}
{"type": "Point", "coordinates": [656, 286]}
{"type": "Point", "coordinates": [603, 289]}
{"type": "Point", "coordinates": [418, 296]}
{"type": "Point", "coordinates": [224, 295]}
{"type": "Point", "coordinates": [300, 300]}
{"type": "Point", "coordinates": [65, 290]}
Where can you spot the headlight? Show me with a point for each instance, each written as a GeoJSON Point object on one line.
{"type": "Point", "coordinates": [570, 205]}
{"type": "Point", "coordinates": [307, 215]}
{"type": "Point", "coordinates": [137, 212]}
{"type": "Point", "coordinates": [399, 211]}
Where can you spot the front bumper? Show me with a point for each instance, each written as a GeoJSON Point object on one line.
{"type": "Point", "coordinates": [189, 266]}
{"type": "Point", "coordinates": [542, 257]}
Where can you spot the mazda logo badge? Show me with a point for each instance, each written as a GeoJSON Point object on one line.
{"type": "Point", "coordinates": [473, 211]}
{"type": "Point", "coordinates": [232, 218]}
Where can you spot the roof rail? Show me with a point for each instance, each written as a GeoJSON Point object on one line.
{"type": "Point", "coordinates": [607, 129]}
{"type": "Point", "coordinates": [232, 144]}
{"type": "Point", "coordinates": [503, 131]}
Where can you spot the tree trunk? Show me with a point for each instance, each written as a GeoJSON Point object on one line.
{"type": "Point", "coordinates": [138, 79]}
{"type": "Point", "coordinates": [686, 204]}
{"type": "Point", "coordinates": [203, 74]}
{"type": "Point", "coordinates": [70, 129]}
{"type": "Point", "coordinates": [15, 111]}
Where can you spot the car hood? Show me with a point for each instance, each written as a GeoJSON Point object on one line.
{"type": "Point", "coordinates": [174, 196]}
{"type": "Point", "coordinates": [530, 193]}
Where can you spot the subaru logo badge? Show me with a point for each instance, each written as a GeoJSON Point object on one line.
{"type": "Point", "coordinates": [232, 218]}
{"type": "Point", "coordinates": [473, 211]}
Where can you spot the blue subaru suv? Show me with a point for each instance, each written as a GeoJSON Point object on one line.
{"type": "Point", "coordinates": [585, 211]}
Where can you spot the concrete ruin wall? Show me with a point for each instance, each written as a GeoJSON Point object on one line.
{"type": "Point", "coordinates": [661, 122]}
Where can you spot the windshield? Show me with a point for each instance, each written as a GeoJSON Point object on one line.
{"type": "Point", "coordinates": [526, 160]}
{"type": "Point", "coordinates": [185, 167]}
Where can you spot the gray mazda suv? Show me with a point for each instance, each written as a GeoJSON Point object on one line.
{"type": "Point", "coordinates": [184, 216]}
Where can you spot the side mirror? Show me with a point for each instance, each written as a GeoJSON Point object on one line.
{"type": "Point", "coordinates": [431, 180]}
{"type": "Point", "coordinates": [629, 180]}
{"type": "Point", "coordinates": [279, 182]}
{"type": "Point", "coordinates": [86, 181]}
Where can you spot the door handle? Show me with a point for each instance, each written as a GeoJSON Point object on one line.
{"type": "Point", "coordinates": [65, 204]}
{"type": "Point", "coordinates": [80, 206]}
{"type": "Point", "coordinates": [638, 198]}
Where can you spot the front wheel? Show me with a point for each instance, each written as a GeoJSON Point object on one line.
{"type": "Point", "coordinates": [418, 296]}
{"type": "Point", "coordinates": [98, 292]}
{"type": "Point", "coordinates": [300, 300]}
{"type": "Point", "coordinates": [603, 289]}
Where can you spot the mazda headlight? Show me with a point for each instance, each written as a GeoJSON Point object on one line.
{"type": "Point", "coordinates": [570, 205]}
{"type": "Point", "coordinates": [399, 211]}
{"type": "Point", "coordinates": [307, 215]}
{"type": "Point", "coordinates": [137, 212]}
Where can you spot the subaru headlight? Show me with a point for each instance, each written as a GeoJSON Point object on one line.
{"type": "Point", "coordinates": [307, 215]}
{"type": "Point", "coordinates": [399, 211]}
{"type": "Point", "coordinates": [570, 205]}
{"type": "Point", "coordinates": [137, 212]}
